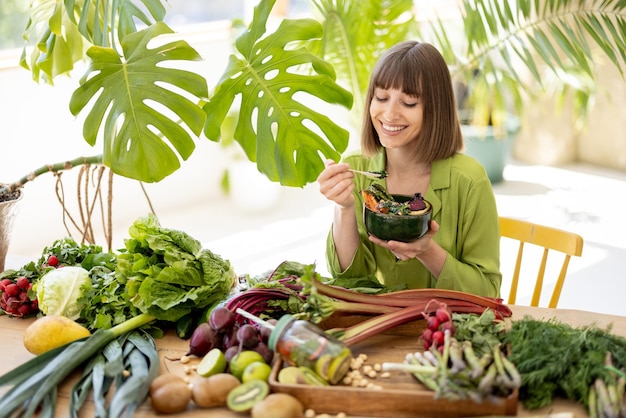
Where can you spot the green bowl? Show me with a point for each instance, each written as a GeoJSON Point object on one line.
{"type": "Point", "coordinates": [405, 228]}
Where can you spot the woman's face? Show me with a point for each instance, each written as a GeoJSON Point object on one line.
{"type": "Point", "coordinates": [396, 116]}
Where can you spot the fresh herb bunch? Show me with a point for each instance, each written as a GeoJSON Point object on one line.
{"type": "Point", "coordinates": [556, 359]}
{"type": "Point", "coordinates": [165, 274]}
{"type": "Point", "coordinates": [483, 331]}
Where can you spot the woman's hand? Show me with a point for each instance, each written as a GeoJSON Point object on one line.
{"type": "Point", "coordinates": [408, 250]}
{"type": "Point", "coordinates": [336, 184]}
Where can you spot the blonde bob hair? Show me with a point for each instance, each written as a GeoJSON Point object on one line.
{"type": "Point", "coordinates": [419, 70]}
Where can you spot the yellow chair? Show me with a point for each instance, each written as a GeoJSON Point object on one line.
{"type": "Point", "coordinates": [569, 243]}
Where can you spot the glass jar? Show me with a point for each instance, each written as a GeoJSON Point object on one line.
{"type": "Point", "coordinates": [303, 344]}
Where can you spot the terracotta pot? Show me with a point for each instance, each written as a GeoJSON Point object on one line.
{"type": "Point", "coordinates": [8, 210]}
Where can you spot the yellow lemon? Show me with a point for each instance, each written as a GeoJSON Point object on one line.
{"type": "Point", "coordinates": [52, 331]}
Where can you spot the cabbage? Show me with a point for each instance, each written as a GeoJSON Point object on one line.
{"type": "Point", "coordinates": [58, 291]}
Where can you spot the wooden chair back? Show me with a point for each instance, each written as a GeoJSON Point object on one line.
{"type": "Point", "coordinates": [551, 239]}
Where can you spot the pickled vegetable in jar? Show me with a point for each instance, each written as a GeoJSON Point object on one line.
{"type": "Point", "coordinates": [303, 344]}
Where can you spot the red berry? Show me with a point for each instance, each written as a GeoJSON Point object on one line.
{"type": "Point", "coordinates": [53, 261]}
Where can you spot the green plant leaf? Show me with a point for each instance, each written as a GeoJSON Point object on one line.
{"type": "Point", "coordinates": [134, 97]}
{"type": "Point", "coordinates": [557, 35]}
{"type": "Point", "coordinates": [53, 43]}
{"type": "Point", "coordinates": [356, 33]}
{"type": "Point", "coordinates": [284, 135]}
{"type": "Point", "coordinates": [106, 22]}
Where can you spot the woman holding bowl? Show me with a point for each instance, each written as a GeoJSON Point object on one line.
{"type": "Point", "coordinates": [411, 131]}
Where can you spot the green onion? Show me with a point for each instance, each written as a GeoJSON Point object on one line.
{"type": "Point", "coordinates": [47, 372]}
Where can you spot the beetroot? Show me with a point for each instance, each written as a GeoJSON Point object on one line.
{"type": "Point", "coordinates": [417, 202]}
{"type": "Point", "coordinates": [203, 340]}
{"type": "Point", "coordinates": [222, 319]}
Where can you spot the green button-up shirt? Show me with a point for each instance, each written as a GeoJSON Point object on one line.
{"type": "Point", "coordinates": [464, 206]}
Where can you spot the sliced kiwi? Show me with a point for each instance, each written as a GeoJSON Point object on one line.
{"type": "Point", "coordinates": [245, 396]}
{"type": "Point", "coordinates": [311, 377]}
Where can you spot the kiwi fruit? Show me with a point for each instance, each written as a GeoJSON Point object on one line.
{"type": "Point", "coordinates": [245, 396]}
{"type": "Point", "coordinates": [278, 405]}
{"type": "Point", "coordinates": [212, 391]}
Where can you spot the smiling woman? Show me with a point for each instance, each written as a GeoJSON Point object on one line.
{"type": "Point", "coordinates": [410, 130]}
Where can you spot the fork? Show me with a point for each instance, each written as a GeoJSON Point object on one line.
{"type": "Point", "coordinates": [372, 174]}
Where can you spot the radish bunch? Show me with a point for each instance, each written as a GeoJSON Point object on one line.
{"type": "Point", "coordinates": [436, 325]}
{"type": "Point", "coordinates": [15, 300]}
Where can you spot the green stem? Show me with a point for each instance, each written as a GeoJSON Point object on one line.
{"type": "Point", "coordinates": [409, 368]}
{"type": "Point", "coordinates": [34, 389]}
{"type": "Point", "coordinates": [131, 324]}
{"type": "Point", "coordinates": [53, 168]}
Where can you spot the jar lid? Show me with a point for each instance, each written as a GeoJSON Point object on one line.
{"type": "Point", "coordinates": [280, 326]}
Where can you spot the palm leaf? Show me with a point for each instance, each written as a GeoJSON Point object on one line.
{"type": "Point", "coordinates": [356, 33]}
{"type": "Point", "coordinates": [286, 137]}
{"type": "Point", "coordinates": [552, 34]}
{"type": "Point", "coordinates": [142, 136]}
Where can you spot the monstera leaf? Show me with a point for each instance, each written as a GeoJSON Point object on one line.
{"type": "Point", "coordinates": [283, 134]}
{"type": "Point", "coordinates": [142, 135]}
{"type": "Point", "coordinates": [58, 29]}
{"type": "Point", "coordinates": [53, 43]}
{"type": "Point", "coordinates": [96, 19]}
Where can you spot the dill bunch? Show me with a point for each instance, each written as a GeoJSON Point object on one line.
{"type": "Point", "coordinates": [557, 359]}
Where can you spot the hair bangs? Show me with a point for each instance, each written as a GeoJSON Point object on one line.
{"type": "Point", "coordinates": [400, 74]}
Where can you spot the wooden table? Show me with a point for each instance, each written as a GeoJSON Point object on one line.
{"type": "Point", "coordinates": [13, 353]}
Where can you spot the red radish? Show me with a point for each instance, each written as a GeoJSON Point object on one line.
{"type": "Point", "coordinates": [443, 314]}
{"type": "Point", "coordinates": [448, 325]}
{"type": "Point", "coordinates": [427, 335]}
{"type": "Point", "coordinates": [12, 289]}
{"type": "Point", "coordinates": [438, 338]}
{"type": "Point", "coordinates": [22, 282]}
{"type": "Point", "coordinates": [432, 323]}
{"type": "Point", "coordinates": [53, 261]}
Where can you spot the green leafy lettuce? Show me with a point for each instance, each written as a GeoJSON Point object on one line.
{"type": "Point", "coordinates": [167, 272]}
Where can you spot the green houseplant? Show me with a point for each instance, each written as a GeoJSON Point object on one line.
{"type": "Point", "coordinates": [130, 69]}
{"type": "Point", "coordinates": [145, 110]}
{"type": "Point", "coordinates": [500, 54]}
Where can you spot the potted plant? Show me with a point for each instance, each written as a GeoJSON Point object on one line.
{"type": "Point", "coordinates": [500, 55]}
{"type": "Point", "coordinates": [503, 54]}
{"type": "Point", "coordinates": [145, 110]}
